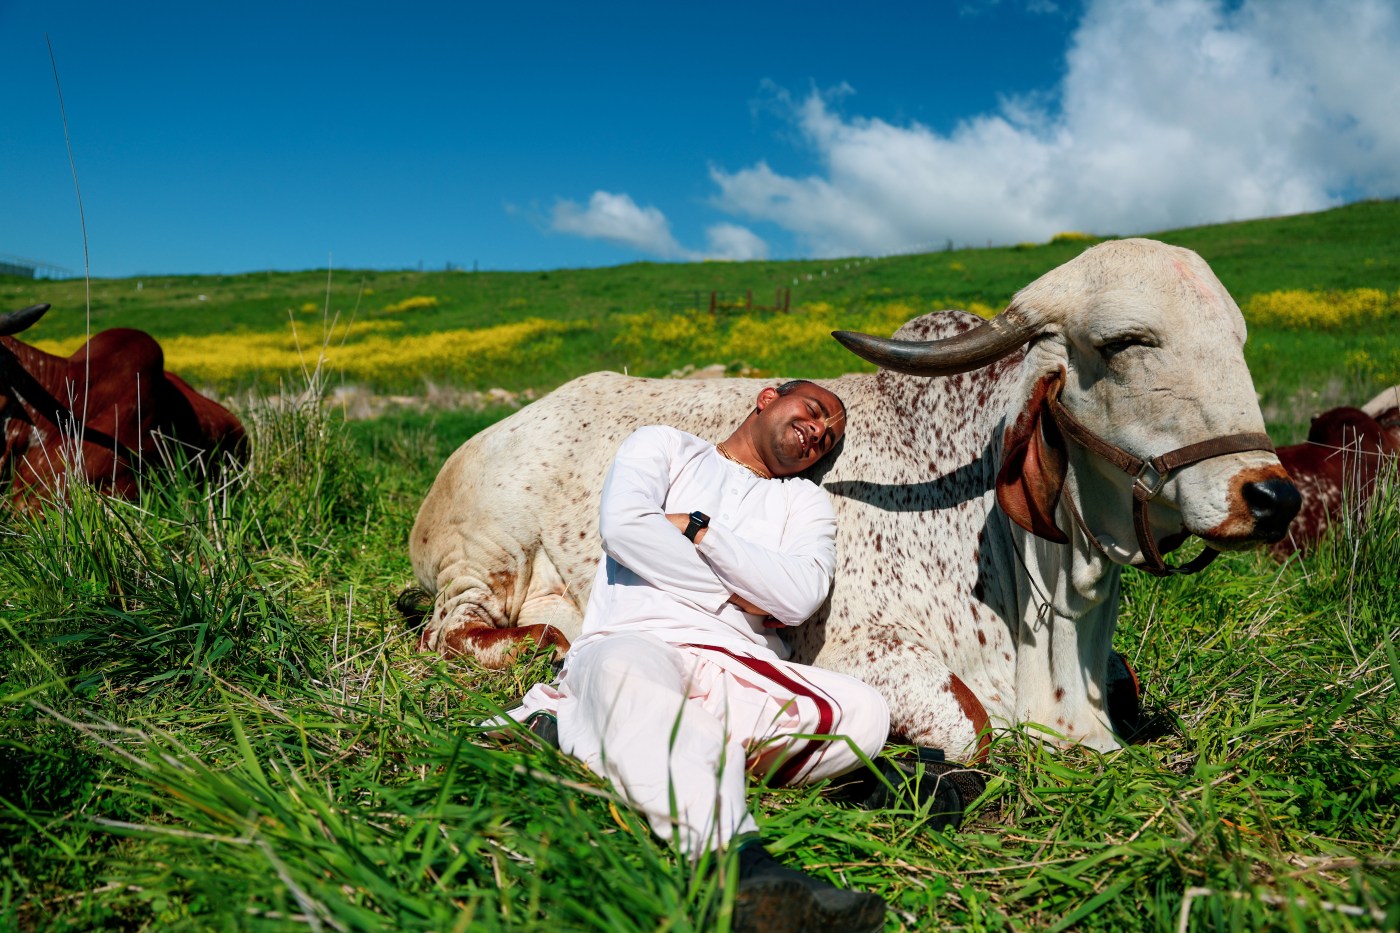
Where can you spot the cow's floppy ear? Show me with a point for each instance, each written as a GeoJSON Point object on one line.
{"type": "Point", "coordinates": [1033, 463]}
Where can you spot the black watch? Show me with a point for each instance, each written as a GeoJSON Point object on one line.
{"type": "Point", "coordinates": [698, 520]}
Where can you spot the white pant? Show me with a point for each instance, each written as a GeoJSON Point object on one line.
{"type": "Point", "coordinates": [676, 727]}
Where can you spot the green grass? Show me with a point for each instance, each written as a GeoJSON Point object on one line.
{"type": "Point", "coordinates": [320, 771]}
{"type": "Point", "coordinates": [211, 716]}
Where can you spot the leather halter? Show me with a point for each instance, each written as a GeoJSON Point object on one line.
{"type": "Point", "coordinates": [1149, 476]}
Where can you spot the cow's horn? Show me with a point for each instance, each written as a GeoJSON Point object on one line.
{"type": "Point", "coordinates": [962, 353]}
{"type": "Point", "coordinates": [12, 322]}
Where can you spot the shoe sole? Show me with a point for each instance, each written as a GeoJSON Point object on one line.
{"type": "Point", "coordinates": [773, 905]}
{"type": "Point", "coordinates": [788, 905]}
{"type": "Point", "coordinates": [865, 915]}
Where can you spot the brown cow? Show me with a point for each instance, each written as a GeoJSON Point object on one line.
{"type": "Point", "coordinates": [1337, 468]}
{"type": "Point", "coordinates": [115, 392]}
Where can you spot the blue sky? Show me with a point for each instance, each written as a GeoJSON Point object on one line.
{"type": "Point", "coordinates": [222, 138]}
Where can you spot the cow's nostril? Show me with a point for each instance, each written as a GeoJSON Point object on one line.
{"type": "Point", "coordinates": [1273, 503]}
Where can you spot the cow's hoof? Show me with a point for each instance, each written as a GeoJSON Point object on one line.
{"type": "Point", "coordinates": [1124, 698]}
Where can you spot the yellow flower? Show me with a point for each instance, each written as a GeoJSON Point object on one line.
{"type": "Point", "coordinates": [416, 303]}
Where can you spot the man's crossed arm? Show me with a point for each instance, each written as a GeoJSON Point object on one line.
{"type": "Point", "coordinates": [681, 523]}
{"type": "Point", "coordinates": [788, 584]}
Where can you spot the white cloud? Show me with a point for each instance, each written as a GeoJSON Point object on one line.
{"type": "Point", "coordinates": [731, 241]}
{"type": "Point", "coordinates": [617, 219]}
{"type": "Point", "coordinates": [1172, 112]}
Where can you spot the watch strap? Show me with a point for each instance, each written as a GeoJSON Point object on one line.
{"type": "Point", "coordinates": [698, 520]}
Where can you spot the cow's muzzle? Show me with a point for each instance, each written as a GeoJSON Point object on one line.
{"type": "Point", "coordinates": [1273, 503]}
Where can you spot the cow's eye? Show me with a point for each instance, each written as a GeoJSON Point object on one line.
{"type": "Point", "coordinates": [1114, 347]}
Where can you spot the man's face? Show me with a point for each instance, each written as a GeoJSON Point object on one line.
{"type": "Point", "coordinates": [796, 430]}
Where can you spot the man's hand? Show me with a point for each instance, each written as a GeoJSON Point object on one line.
{"type": "Point", "coordinates": [744, 604]}
{"type": "Point", "coordinates": [747, 606]}
{"type": "Point", "coordinates": [682, 522]}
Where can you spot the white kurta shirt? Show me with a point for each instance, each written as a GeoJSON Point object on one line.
{"type": "Point", "coordinates": [771, 541]}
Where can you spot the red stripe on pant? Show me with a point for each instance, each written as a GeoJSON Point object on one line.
{"type": "Point", "coordinates": [826, 709]}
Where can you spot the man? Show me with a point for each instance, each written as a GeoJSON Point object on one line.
{"type": "Point", "coordinates": [678, 684]}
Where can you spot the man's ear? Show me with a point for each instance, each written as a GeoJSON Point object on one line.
{"type": "Point", "coordinates": [1033, 463]}
{"type": "Point", "coordinates": [766, 396]}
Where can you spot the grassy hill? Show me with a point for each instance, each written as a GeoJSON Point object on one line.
{"type": "Point", "coordinates": [394, 331]}
{"type": "Point", "coordinates": [1347, 247]}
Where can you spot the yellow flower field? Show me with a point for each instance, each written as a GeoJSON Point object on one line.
{"type": "Point", "coordinates": [366, 350]}
{"type": "Point", "coordinates": [1314, 309]}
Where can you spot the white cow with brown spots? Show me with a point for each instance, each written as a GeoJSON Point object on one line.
{"type": "Point", "coordinates": [985, 514]}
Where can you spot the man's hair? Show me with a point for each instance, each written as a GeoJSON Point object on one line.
{"type": "Point", "coordinates": [791, 384]}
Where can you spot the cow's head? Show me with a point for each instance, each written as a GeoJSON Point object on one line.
{"type": "Point", "coordinates": [1142, 346]}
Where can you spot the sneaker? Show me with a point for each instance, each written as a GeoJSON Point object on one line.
{"type": "Point", "coordinates": [774, 898]}
{"type": "Point", "coordinates": [924, 781]}
{"type": "Point", "coordinates": [545, 727]}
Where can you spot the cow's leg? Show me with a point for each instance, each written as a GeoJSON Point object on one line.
{"type": "Point", "coordinates": [930, 706]}
{"type": "Point", "coordinates": [549, 606]}
{"type": "Point", "coordinates": [498, 648]}
{"type": "Point", "coordinates": [494, 615]}
{"type": "Point", "coordinates": [38, 470]}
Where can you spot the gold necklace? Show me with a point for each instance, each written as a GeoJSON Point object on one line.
{"type": "Point", "coordinates": [761, 474]}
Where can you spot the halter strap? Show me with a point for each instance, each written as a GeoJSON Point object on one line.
{"type": "Point", "coordinates": [1149, 476]}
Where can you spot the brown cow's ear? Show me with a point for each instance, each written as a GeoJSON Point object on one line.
{"type": "Point", "coordinates": [1033, 463]}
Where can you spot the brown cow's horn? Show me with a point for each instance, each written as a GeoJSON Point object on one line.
{"type": "Point", "coordinates": [962, 353]}
{"type": "Point", "coordinates": [12, 322]}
